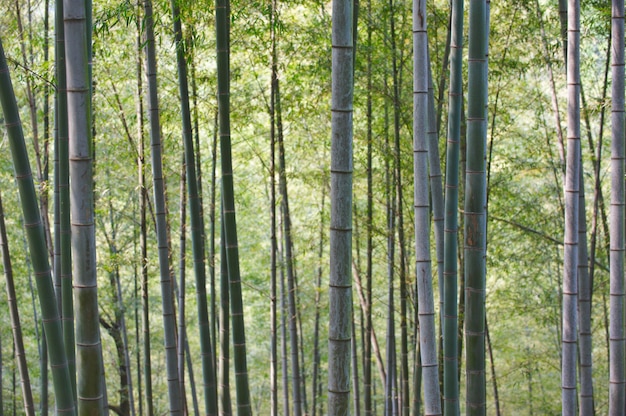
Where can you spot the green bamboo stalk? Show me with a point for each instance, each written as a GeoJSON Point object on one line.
{"type": "Point", "coordinates": [143, 246]}
{"type": "Point", "coordinates": [16, 327]}
{"type": "Point", "coordinates": [196, 220]}
{"type": "Point", "coordinates": [450, 321]}
{"type": "Point", "coordinates": [391, 402]}
{"type": "Point", "coordinates": [367, 333]}
{"type": "Point", "coordinates": [316, 353]}
{"type": "Point", "coordinates": [426, 306]}
{"type": "Point", "coordinates": [224, 363]}
{"type": "Point", "coordinates": [340, 284]}
{"type": "Point", "coordinates": [572, 187]}
{"type": "Point", "coordinates": [283, 334]}
{"type": "Point", "coordinates": [37, 243]}
{"type": "Point", "coordinates": [65, 248]}
{"type": "Point", "coordinates": [617, 377]}
{"type": "Point", "coordinates": [475, 211]}
{"type": "Point", "coordinates": [90, 388]}
{"type": "Point", "coordinates": [222, 19]}
{"type": "Point", "coordinates": [289, 261]}
{"type": "Point", "coordinates": [169, 321]}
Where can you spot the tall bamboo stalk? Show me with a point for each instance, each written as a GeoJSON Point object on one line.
{"type": "Point", "coordinates": [169, 321]}
{"type": "Point", "coordinates": [450, 321]}
{"type": "Point", "coordinates": [340, 284]}
{"type": "Point", "coordinates": [584, 309]}
{"type": "Point", "coordinates": [222, 18]}
{"type": "Point", "coordinates": [572, 186]}
{"type": "Point", "coordinates": [617, 377]}
{"type": "Point", "coordinates": [367, 333]}
{"type": "Point", "coordinates": [196, 221]}
{"type": "Point", "coordinates": [143, 228]}
{"type": "Point", "coordinates": [65, 248]}
{"type": "Point", "coordinates": [426, 306]}
{"type": "Point", "coordinates": [289, 260]}
{"type": "Point", "coordinates": [475, 210]}
{"type": "Point", "coordinates": [90, 388]}
{"type": "Point", "coordinates": [37, 242]}
{"type": "Point", "coordinates": [180, 289]}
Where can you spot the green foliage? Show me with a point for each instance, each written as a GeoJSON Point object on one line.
{"type": "Point", "coordinates": [525, 187]}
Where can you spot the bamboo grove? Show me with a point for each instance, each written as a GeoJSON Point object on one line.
{"type": "Point", "coordinates": [288, 207]}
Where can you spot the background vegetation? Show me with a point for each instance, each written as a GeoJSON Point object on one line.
{"type": "Point", "coordinates": [525, 182]}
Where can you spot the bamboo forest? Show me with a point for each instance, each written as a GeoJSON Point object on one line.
{"type": "Point", "coordinates": [312, 207]}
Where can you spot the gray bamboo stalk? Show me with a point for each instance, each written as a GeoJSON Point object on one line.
{"type": "Point", "coordinates": [426, 306]}
{"type": "Point", "coordinates": [169, 321]}
{"type": "Point", "coordinates": [16, 327]}
{"type": "Point", "coordinates": [90, 387]}
{"type": "Point", "coordinates": [584, 309]}
{"type": "Point", "coordinates": [572, 179]}
{"type": "Point", "coordinates": [340, 284]}
{"type": "Point", "coordinates": [617, 344]}
{"type": "Point", "coordinates": [37, 242]}
{"type": "Point", "coordinates": [67, 300]}
{"type": "Point", "coordinates": [396, 59]}
{"type": "Point", "coordinates": [451, 321]}
{"type": "Point", "coordinates": [475, 211]}
{"type": "Point", "coordinates": [196, 222]}
{"type": "Point", "coordinates": [437, 195]}
{"type": "Point", "coordinates": [222, 27]}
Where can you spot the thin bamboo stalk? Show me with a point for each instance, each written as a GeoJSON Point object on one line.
{"type": "Point", "coordinates": [169, 321]}
{"type": "Point", "coordinates": [195, 221]}
{"type": "Point", "coordinates": [617, 344]}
